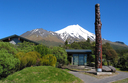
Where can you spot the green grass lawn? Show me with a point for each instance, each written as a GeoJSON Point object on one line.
{"type": "Point", "coordinates": [122, 81]}
{"type": "Point", "coordinates": [41, 74]}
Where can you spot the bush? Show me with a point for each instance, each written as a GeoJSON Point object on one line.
{"type": "Point", "coordinates": [26, 47]}
{"type": "Point", "coordinates": [28, 59]}
{"type": "Point", "coordinates": [22, 58]}
{"type": "Point", "coordinates": [123, 61]}
{"type": "Point", "coordinates": [8, 64]}
{"type": "Point", "coordinates": [48, 60]}
{"type": "Point", "coordinates": [32, 58]}
{"type": "Point", "coordinates": [7, 47]}
{"type": "Point", "coordinates": [60, 54]}
{"type": "Point", "coordinates": [104, 63]}
{"type": "Point", "coordinates": [43, 50]}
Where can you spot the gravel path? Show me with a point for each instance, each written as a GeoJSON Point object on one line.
{"type": "Point", "coordinates": [90, 79]}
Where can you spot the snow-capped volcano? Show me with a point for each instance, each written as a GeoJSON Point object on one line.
{"type": "Point", "coordinates": [71, 33]}
{"type": "Point", "coordinates": [75, 31]}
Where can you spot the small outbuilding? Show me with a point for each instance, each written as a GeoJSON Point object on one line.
{"type": "Point", "coordinates": [79, 57]}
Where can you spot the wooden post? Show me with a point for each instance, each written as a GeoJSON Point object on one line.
{"type": "Point", "coordinates": [98, 48]}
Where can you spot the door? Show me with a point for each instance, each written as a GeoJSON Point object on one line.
{"type": "Point", "coordinates": [81, 59]}
{"type": "Point", "coordinates": [75, 59]}
{"type": "Point", "coordinates": [85, 59]}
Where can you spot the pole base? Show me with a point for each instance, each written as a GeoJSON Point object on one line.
{"type": "Point", "coordinates": [103, 73]}
{"type": "Point", "coordinates": [99, 70]}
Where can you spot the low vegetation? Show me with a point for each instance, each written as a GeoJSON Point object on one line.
{"type": "Point", "coordinates": [17, 57]}
{"type": "Point", "coordinates": [41, 74]}
{"type": "Point", "coordinates": [8, 63]}
{"type": "Point", "coordinates": [121, 81]}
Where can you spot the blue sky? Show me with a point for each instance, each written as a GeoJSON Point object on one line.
{"type": "Point", "coordinates": [19, 16]}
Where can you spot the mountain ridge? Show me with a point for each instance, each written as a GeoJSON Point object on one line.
{"type": "Point", "coordinates": [71, 33]}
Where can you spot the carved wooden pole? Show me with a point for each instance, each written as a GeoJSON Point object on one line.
{"type": "Point", "coordinates": [98, 48]}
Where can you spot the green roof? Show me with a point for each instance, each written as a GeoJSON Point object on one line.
{"type": "Point", "coordinates": [78, 51]}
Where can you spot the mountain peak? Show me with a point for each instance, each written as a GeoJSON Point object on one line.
{"type": "Point", "coordinates": [70, 28]}
{"type": "Point", "coordinates": [75, 31]}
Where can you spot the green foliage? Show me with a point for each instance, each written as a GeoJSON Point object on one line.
{"type": "Point", "coordinates": [81, 45]}
{"type": "Point", "coordinates": [122, 51]}
{"type": "Point", "coordinates": [75, 45]}
{"type": "Point", "coordinates": [92, 58]}
{"type": "Point", "coordinates": [123, 61]}
{"type": "Point", "coordinates": [105, 47]}
{"type": "Point", "coordinates": [28, 59]}
{"type": "Point", "coordinates": [8, 63]}
{"type": "Point", "coordinates": [8, 48]}
{"type": "Point", "coordinates": [42, 49]}
{"type": "Point", "coordinates": [119, 47]}
{"type": "Point", "coordinates": [88, 40]}
{"type": "Point", "coordinates": [66, 42]}
{"type": "Point", "coordinates": [26, 47]}
{"type": "Point", "coordinates": [22, 58]}
{"type": "Point", "coordinates": [32, 58]}
{"type": "Point", "coordinates": [110, 53]}
{"type": "Point", "coordinates": [48, 60]}
{"type": "Point", "coordinates": [104, 62]}
{"type": "Point", "coordinates": [103, 56]}
{"type": "Point", "coordinates": [60, 54]}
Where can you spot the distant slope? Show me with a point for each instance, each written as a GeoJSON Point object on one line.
{"type": "Point", "coordinates": [43, 36]}
{"type": "Point", "coordinates": [116, 45]}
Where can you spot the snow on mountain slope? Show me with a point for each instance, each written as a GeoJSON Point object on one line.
{"type": "Point", "coordinates": [75, 31]}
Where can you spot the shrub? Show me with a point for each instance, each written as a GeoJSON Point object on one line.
{"type": "Point", "coordinates": [23, 61]}
{"type": "Point", "coordinates": [7, 47]}
{"type": "Point", "coordinates": [28, 59]}
{"type": "Point", "coordinates": [26, 47]}
{"type": "Point", "coordinates": [110, 53]}
{"type": "Point", "coordinates": [123, 61]}
{"type": "Point", "coordinates": [104, 63]}
{"type": "Point", "coordinates": [48, 60]}
{"type": "Point", "coordinates": [8, 64]}
{"type": "Point", "coordinates": [32, 58]}
{"type": "Point", "coordinates": [60, 54]}
{"type": "Point", "coordinates": [43, 50]}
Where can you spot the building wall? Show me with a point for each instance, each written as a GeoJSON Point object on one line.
{"type": "Point", "coordinates": [75, 58]}
{"type": "Point", "coordinates": [15, 41]}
